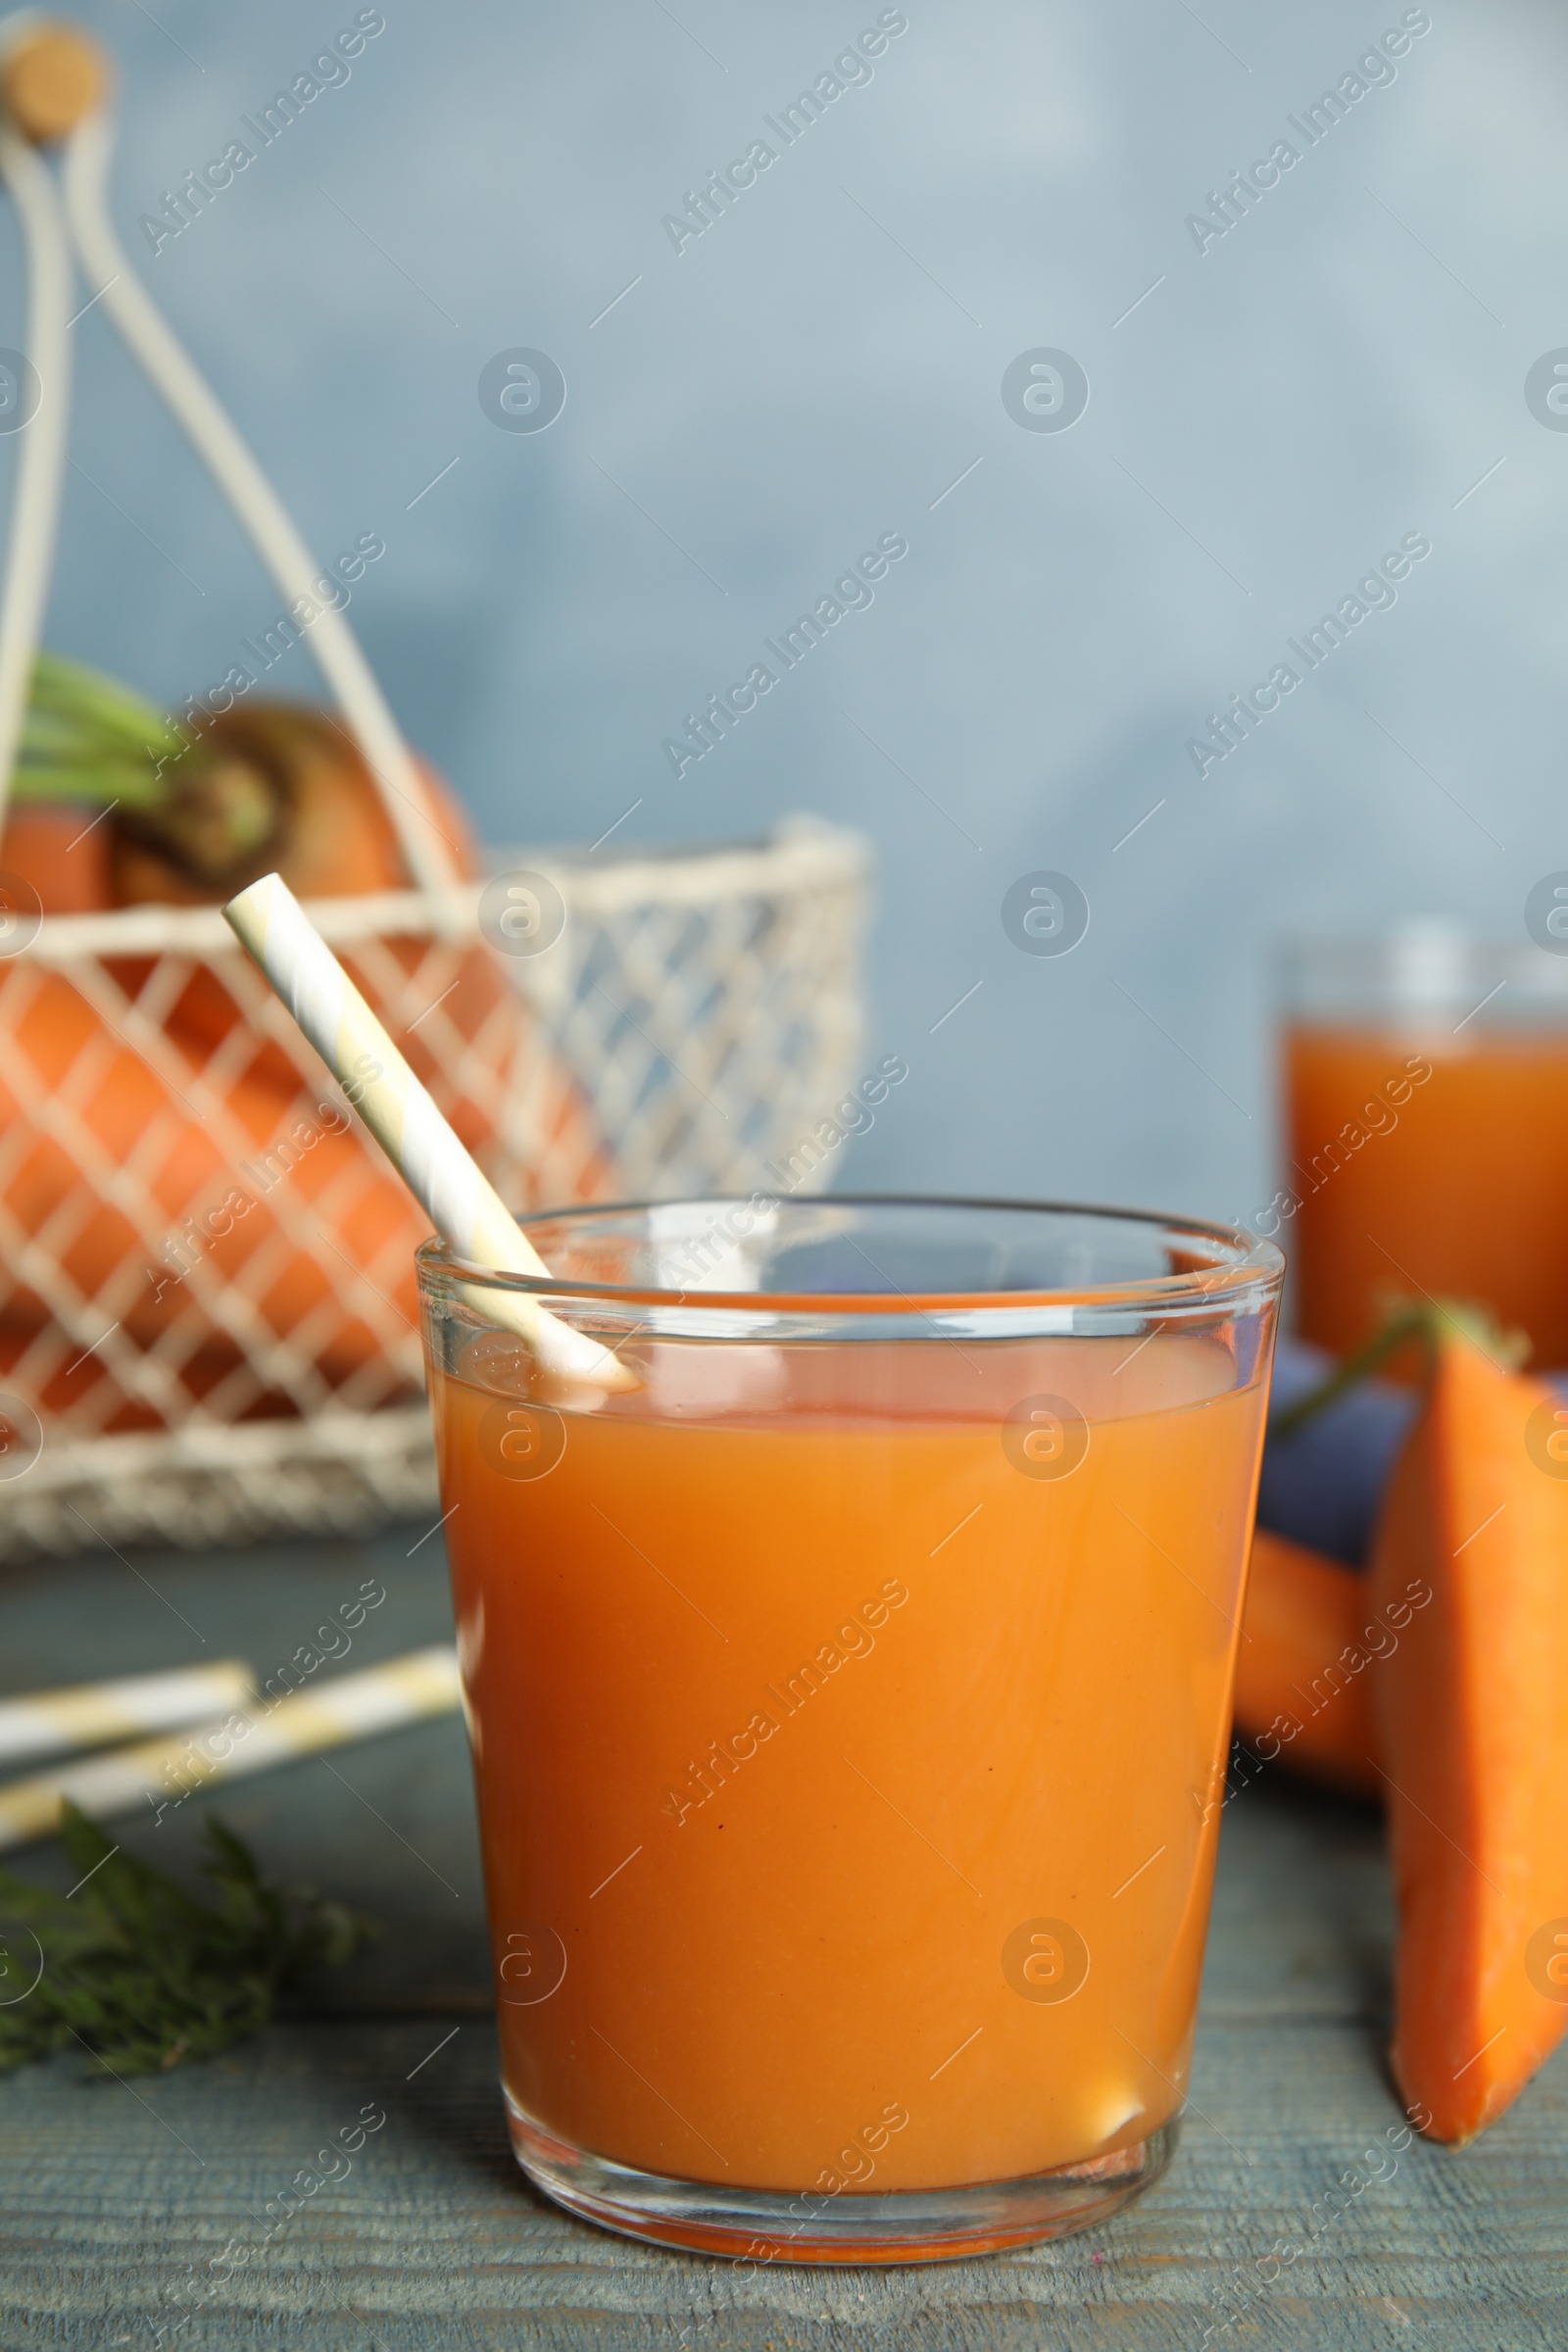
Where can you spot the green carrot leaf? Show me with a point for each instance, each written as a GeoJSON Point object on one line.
{"type": "Point", "coordinates": [86, 737]}
{"type": "Point", "coordinates": [144, 1975]}
{"type": "Point", "coordinates": [1407, 1320]}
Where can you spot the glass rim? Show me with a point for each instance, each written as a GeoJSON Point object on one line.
{"type": "Point", "coordinates": [1413, 967]}
{"type": "Point", "coordinates": [1243, 1259]}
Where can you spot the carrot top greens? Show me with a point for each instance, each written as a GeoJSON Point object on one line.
{"type": "Point", "coordinates": [143, 1974]}
{"type": "Point", "coordinates": [1428, 1324]}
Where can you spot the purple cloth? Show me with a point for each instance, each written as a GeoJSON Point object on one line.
{"type": "Point", "coordinates": [1323, 1486]}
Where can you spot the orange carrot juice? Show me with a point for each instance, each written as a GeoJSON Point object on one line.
{"type": "Point", "coordinates": [846, 1721]}
{"type": "Point", "coordinates": [1426, 1097]}
{"type": "Point", "coordinates": [1429, 1162]}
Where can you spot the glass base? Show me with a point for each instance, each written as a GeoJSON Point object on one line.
{"type": "Point", "coordinates": [762, 2225]}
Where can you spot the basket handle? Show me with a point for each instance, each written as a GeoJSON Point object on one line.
{"type": "Point", "coordinates": [431, 863]}
{"type": "Point", "coordinates": [41, 458]}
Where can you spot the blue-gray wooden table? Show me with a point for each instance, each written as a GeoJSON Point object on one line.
{"type": "Point", "coordinates": [115, 2199]}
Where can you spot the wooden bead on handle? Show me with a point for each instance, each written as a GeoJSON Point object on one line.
{"type": "Point", "coordinates": [51, 79]}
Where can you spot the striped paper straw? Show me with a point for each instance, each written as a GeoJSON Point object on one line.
{"type": "Point", "coordinates": [157, 1773]}
{"type": "Point", "coordinates": [464, 1208]}
{"type": "Point", "coordinates": [55, 1723]}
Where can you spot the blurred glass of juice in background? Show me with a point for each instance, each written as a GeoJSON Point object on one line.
{"type": "Point", "coordinates": [1425, 1114]}
{"type": "Point", "coordinates": [849, 1705]}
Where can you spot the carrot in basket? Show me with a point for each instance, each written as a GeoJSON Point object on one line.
{"type": "Point", "coordinates": [191, 817]}
{"type": "Point", "coordinates": [61, 850]}
{"type": "Point", "coordinates": [186, 819]}
{"type": "Point", "coordinates": [1473, 1712]}
{"type": "Point", "coordinates": [296, 1152]}
{"type": "Point", "coordinates": [191, 814]}
{"type": "Point", "coordinates": [1304, 1671]}
{"type": "Point", "coordinates": [277, 787]}
{"type": "Point", "coordinates": [280, 787]}
{"type": "Point", "coordinates": [108, 1112]}
{"type": "Point", "coordinates": [270, 788]}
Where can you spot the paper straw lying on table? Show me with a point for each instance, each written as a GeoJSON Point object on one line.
{"type": "Point", "coordinates": [466, 1209]}
{"type": "Point", "coordinates": [57, 1723]}
{"type": "Point", "coordinates": [159, 1773]}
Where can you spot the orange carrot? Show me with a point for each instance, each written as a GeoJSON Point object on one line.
{"type": "Point", "coordinates": [56, 846]}
{"type": "Point", "coordinates": [315, 1227]}
{"type": "Point", "coordinates": [109, 1111]}
{"type": "Point", "coordinates": [1473, 1715]}
{"type": "Point", "coordinates": [315, 813]}
{"type": "Point", "coordinates": [1305, 1667]}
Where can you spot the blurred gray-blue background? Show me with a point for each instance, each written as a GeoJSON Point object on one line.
{"type": "Point", "coordinates": [823, 366]}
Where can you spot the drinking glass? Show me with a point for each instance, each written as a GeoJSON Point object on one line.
{"type": "Point", "coordinates": [850, 1703]}
{"type": "Point", "coordinates": [1426, 1109]}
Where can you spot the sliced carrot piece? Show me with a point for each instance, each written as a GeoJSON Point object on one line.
{"type": "Point", "coordinates": [1304, 1668]}
{"type": "Point", "coordinates": [1473, 1715]}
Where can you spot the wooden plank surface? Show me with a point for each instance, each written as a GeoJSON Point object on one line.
{"type": "Point", "coordinates": [114, 2200]}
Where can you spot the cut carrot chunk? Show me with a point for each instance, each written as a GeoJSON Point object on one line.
{"type": "Point", "coordinates": [1473, 1715]}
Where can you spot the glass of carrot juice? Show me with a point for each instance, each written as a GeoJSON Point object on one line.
{"type": "Point", "coordinates": [1426, 1106]}
{"type": "Point", "coordinates": [848, 1702]}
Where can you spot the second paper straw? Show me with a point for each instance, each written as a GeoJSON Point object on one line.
{"type": "Point", "coordinates": [162, 1771]}
{"type": "Point", "coordinates": [52, 1723]}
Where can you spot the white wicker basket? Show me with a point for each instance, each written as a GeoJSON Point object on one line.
{"type": "Point", "coordinates": [705, 1002]}
{"type": "Point", "coordinates": [207, 1316]}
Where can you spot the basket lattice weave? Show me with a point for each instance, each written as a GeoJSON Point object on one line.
{"type": "Point", "coordinates": [701, 1009]}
